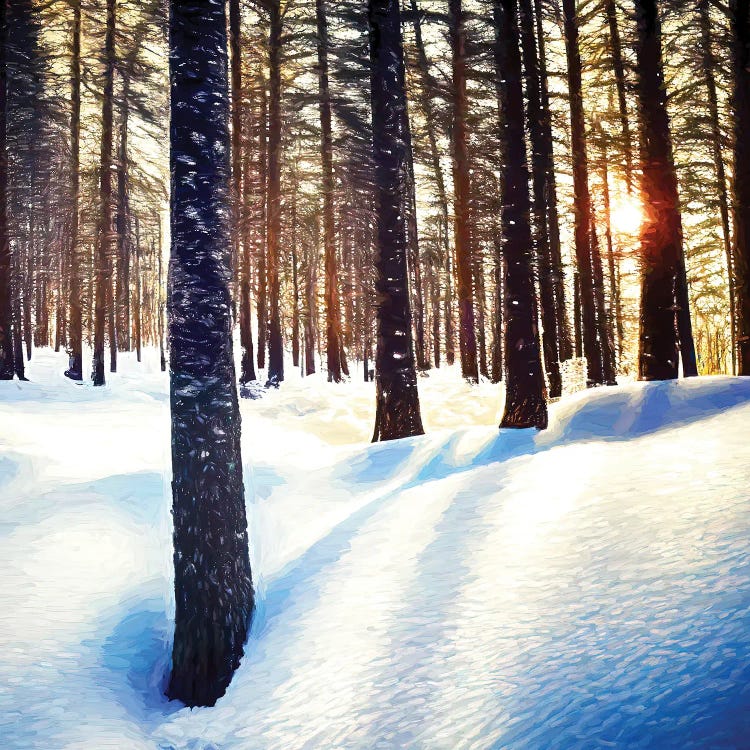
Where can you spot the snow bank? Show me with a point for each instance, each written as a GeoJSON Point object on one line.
{"type": "Point", "coordinates": [588, 586]}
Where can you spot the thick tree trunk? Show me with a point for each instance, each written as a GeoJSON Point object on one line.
{"type": "Point", "coordinates": [275, 340]}
{"type": "Point", "coordinates": [262, 299]}
{"type": "Point", "coordinates": [75, 301]}
{"type": "Point", "coordinates": [596, 344]}
{"type": "Point", "coordinates": [662, 261]}
{"type": "Point", "coordinates": [462, 192]}
{"type": "Point", "coordinates": [311, 295]}
{"type": "Point", "coordinates": [295, 279]}
{"type": "Point", "coordinates": [104, 232]}
{"type": "Point", "coordinates": [540, 179]}
{"type": "Point", "coordinates": [740, 35]}
{"type": "Point", "coordinates": [397, 400]}
{"type": "Point", "coordinates": [709, 64]}
{"type": "Point", "coordinates": [6, 312]}
{"type": "Point", "coordinates": [525, 403]}
{"type": "Point", "coordinates": [123, 224]}
{"type": "Point", "coordinates": [334, 342]}
{"type": "Point", "coordinates": [213, 587]}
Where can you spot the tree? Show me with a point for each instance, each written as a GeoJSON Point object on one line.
{"type": "Point", "coordinates": [213, 586]}
{"type": "Point", "coordinates": [525, 403]}
{"type": "Point", "coordinates": [6, 322]}
{"type": "Point", "coordinates": [397, 400]}
{"type": "Point", "coordinates": [462, 189]}
{"type": "Point", "coordinates": [740, 31]}
{"type": "Point", "coordinates": [664, 305]}
{"type": "Point", "coordinates": [598, 348]}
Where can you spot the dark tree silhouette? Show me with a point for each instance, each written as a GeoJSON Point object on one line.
{"type": "Point", "coordinates": [525, 403]}
{"type": "Point", "coordinates": [6, 320]}
{"type": "Point", "coordinates": [740, 29]}
{"type": "Point", "coordinates": [397, 406]}
{"type": "Point", "coordinates": [663, 284]}
{"type": "Point", "coordinates": [213, 587]}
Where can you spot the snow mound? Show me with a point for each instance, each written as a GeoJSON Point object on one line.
{"type": "Point", "coordinates": [588, 586]}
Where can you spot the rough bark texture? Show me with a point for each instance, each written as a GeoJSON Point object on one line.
{"type": "Point", "coordinates": [397, 400]}
{"type": "Point", "coordinates": [740, 30]}
{"type": "Point", "coordinates": [6, 314]}
{"type": "Point", "coordinates": [462, 190]}
{"type": "Point", "coordinates": [539, 158]}
{"type": "Point", "coordinates": [213, 588]}
{"type": "Point", "coordinates": [662, 261]}
{"type": "Point", "coordinates": [275, 340]}
{"type": "Point", "coordinates": [334, 343]}
{"type": "Point", "coordinates": [525, 403]}
{"type": "Point", "coordinates": [103, 257]}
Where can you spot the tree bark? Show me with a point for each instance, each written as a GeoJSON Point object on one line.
{"type": "Point", "coordinates": [213, 586]}
{"type": "Point", "coordinates": [275, 340]}
{"type": "Point", "coordinates": [525, 402]}
{"type": "Point", "coordinates": [462, 192]}
{"type": "Point", "coordinates": [6, 312]}
{"type": "Point", "coordinates": [397, 400]}
{"type": "Point", "coordinates": [662, 261]}
{"type": "Point", "coordinates": [103, 254]}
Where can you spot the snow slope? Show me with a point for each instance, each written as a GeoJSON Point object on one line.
{"type": "Point", "coordinates": [584, 587]}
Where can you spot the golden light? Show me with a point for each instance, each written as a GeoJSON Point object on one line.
{"type": "Point", "coordinates": [627, 215]}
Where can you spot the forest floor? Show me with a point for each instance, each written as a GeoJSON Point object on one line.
{"type": "Point", "coordinates": [588, 586]}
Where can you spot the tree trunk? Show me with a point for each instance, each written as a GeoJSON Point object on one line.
{"type": "Point", "coordinates": [564, 340]}
{"type": "Point", "coordinates": [138, 292]}
{"type": "Point", "coordinates": [525, 403]}
{"type": "Point", "coordinates": [661, 232]}
{"type": "Point", "coordinates": [123, 224]}
{"type": "Point", "coordinates": [262, 299]}
{"type": "Point", "coordinates": [6, 312]}
{"type": "Point", "coordinates": [618, 67]}
{"type": "Point", "coordinates": [295, 279]}
{"type": "Point", "coordinates": [275, 341]}
{"type": "Point", "coordinates": [397, 399]}
{"type": "Point", "coordinates": [462, 192]}
{"type": "Point", "coordinates": [104, 234]}
{"type": "Point", "coordinates": [75, 302]}
{"type": "Point", "coordinates": [540, 179]}
{"type": "Point", "coordinates": [708, 61]}
{"type": "Point", "coordinates": [740, 37]}
{"type": "Point", "coordinates": [160, 305]}
{"type": "Point", "coordinates": [596, 344]}
{"type": "Point", "coordinates": [426, 93]}
{"type": "Point", "coordinates": [334, 343]}
{"type": "Point", "coordinates": [213, 586]}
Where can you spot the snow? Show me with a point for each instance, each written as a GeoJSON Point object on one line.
{"type": "Point", "coordinates": [588, 586]}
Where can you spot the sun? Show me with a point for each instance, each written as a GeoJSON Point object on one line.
{"type": "Point", "coordinates": [627, 215]}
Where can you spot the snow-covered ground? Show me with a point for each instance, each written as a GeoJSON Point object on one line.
{"type": "Point", "coordinates": [584, 587]}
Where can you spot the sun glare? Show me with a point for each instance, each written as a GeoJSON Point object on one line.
{"type": "Point", "coordinates": [627, 215]}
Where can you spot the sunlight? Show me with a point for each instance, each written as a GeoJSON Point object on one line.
{"type": "Point", "coordinates": [627, 215]}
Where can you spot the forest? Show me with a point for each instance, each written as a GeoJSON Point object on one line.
{"type": "Point", "coordinates": [412, 213]}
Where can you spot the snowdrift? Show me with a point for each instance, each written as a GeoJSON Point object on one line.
{"type": "Point", "coordinates": [584, 587]}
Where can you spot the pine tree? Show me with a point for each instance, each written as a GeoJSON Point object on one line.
{"type": "Point", "coordinates": [397, 405]}
{"type": "Point", "coordinates": [213, 587]}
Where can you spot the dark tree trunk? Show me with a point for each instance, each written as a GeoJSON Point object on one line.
{"type": "Point", "coordinates": [213, 587]}
{"type": "Point", "coordinates": [6, 312]}
{"type": "Point", "coordinates": [578, 323]}
{"type": "Point", "coordinates": [160, 306]}
{"type": "Point", "coordinates": [427, 90]}
{"type": "Point", "coordinates": [138, 292]}
{"type": "Point", "coordinates": [496, 373]}
{"type": "Point", "coordinates": [462, 192]}
{"type": "Point", "coordinates": [262, 300]}
{"type": "Point", "coordinates": [334, 343]}
{"type": "Point", "coordinates": [596, 344]}
{"type": "Point", "coordinates": [103, 257]}
{"type": "Point", "coordinates": [708, 60]}
{"type": "Point", "coordinates": [618, 68]}
{"type": "Point", "coordinates": [564, 340]}
{"type": "Point", "coordinates": [525, 403]}
{"type": "Point", "coordinates": [310, 310]}
{"type": "Point", "coordinates": [75, 302]}
{"type": "Point", "coordinates": [397, 400]}
{"type": "Point", "coordinates": [540, 180]}
{"type": "Point", "coordinates": [123, 225]}
{"type": "Point", "coordinates": [295, 279]}
{"type": "Point", "coordinates": [740, 31]}
{"type": "Point", "coordinates": [662, 262]}
{"type": "Point", "coordinates": [275, 341]}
